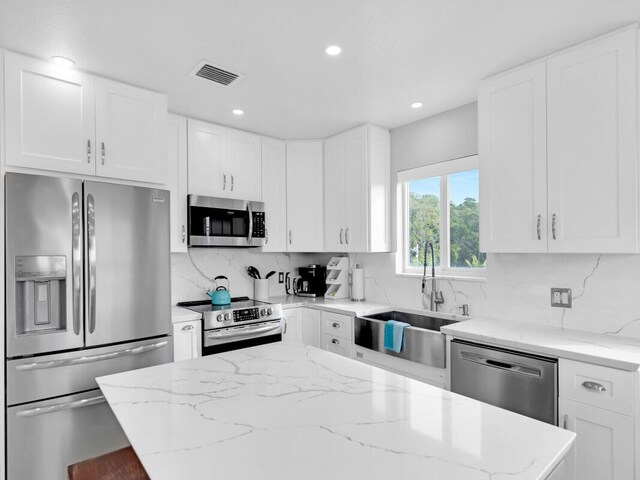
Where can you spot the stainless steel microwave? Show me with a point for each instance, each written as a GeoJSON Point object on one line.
{"type": "Point", "coordinates": [224, 222]}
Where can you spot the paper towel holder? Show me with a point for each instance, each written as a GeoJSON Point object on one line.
{"type": "Point", "coordinates": [357, 284]}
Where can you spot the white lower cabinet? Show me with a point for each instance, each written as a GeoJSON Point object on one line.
{"type": "Point", "coordinates": [292, 332]}
{"type": "Point", "coordinates": [187, 340]}
{"type": "Point", "coordinates": [604, 443]}
{"type": "Point", "coordinates": [335, 344]}
{"type": "Point", "coordinates": [311, 327]}
{"type": "Point", "coordinates": [336, 333]}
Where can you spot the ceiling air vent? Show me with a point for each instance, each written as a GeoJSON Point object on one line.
{"type": "Point", "coordinates": [221, 76]}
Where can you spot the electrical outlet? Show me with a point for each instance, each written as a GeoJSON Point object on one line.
{"type": "Point", "coordinates": [280, 277]}
{"type": "Point", "coordinates": [561, 297]}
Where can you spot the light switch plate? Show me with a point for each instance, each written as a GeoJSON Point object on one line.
{"type": "Point", "coordinates": [561, 297]}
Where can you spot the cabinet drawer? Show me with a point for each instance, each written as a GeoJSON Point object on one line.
{"type": "Point", "coordinates": [339, 345]}
{"type": "Point", "coordinates": [602, 387]}
{"type": "Point", "coordinates": [337, 325]}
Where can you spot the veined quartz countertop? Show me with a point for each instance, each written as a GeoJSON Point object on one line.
{"type": "Point", "coordinates": [598, 348]}
{"type": "Point", "coordinates": [346, 305]}
{"type": "Point", "coordinates": [179, 314]}
{"type": "Point", "coordinates": [285, 411]}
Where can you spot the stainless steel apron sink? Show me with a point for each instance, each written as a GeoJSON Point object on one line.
{"type": "Point", "coordinates": [423, 342]}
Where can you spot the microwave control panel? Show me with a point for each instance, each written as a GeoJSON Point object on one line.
{"type": "Point", "coordinates": [258, 225]}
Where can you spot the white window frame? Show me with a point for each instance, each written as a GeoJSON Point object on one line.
{"type": "Point", "coordinates": [442, 170]}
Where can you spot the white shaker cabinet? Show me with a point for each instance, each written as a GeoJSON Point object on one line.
{"type": "Point", "coordinates": [130, 132]}
{"type": "Point", "coordinates": [274, 196]}
{"type": "Point", "coordinates": [558, 153]}
{"type": "Point", "coordinates": [513, 161]}
{"type": "Point", "coordinates": [187, 340]}
{"type": "Point", "coordinates": [591, 146]}
{"type": "Point", "coordinates": [177, 159]}
{"type": "Point", "coordinates": [224, 162]}
{"type": "Point", "coordinates": [311, 327]}
{"type": "Point", "coordinates": [304, 196]}
{"type": "Point", "coordinates": [357, 190]}
{"type": "Point", "coordinates": [50, 116]}
{"type": "Point", "coordinates": [292, 332]}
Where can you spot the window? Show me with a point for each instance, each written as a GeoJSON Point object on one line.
{"type": "Point", "coordinates": [441, 204]}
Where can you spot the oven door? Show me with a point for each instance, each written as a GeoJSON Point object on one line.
{"type": "Point", "coordinates": [223, 222]}
{"type": "Point", "coordinates": [235, 338]}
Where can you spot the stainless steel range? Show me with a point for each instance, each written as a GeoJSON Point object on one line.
{"type": "Point", "coordinates": [241, 324]}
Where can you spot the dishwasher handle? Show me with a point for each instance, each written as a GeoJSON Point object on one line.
{"type": "Point", "coordinates": [511, 366]}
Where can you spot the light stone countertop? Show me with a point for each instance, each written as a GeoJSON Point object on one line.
{"type": "Point", "coordinates": [609, 350]}
{"type": "Point", "coordinates": [285, 411]}
{"type": "Point", "coordinates": [179, 315]}
{"type": "Point", "coordinates": [345, 306]}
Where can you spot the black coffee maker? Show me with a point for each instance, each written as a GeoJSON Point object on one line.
{"type": "Point", "coordinates": [311, 282]}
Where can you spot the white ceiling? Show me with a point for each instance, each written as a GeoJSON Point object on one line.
{"type": "Point", "coordinates": [395, 52]}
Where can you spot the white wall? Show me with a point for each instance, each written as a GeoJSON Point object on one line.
{"type": "Point", "coordinates": [606, 288]}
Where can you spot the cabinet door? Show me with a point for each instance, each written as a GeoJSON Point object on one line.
{"type": "Point", "coordinates": [311, 327]}
{"type": "Point", "coordinates": [293, 325]}
{"type": "Point", "coordinates": [177, 159]}
{"type": "Point", "coordinates": [187, 340]}
{"type": "Point", "coordinates": [356, 180]}
{"type": "Point", "coordinates": [592, 153]}
{"type": "Point", "coordinates": [512, 149]}
{"type": "Point", "coordinates": [131, 132]}
{"type": "Point", "coordinates": [207, 154]}
{"type": "Point", "coordinates": [605, 444]}
{"type": "Point", "coordinates": [244, 166]}
{"type": "Point", "coordinates": [50, 116]}
{"type": "Point", "coordinates": [335, 205]}
{"type": "Point", "coordinates": [304, 197]}
{"type": "Point", "coordinates": [338, 345]}
{"type": "Point", "coordinates": [274, 195]}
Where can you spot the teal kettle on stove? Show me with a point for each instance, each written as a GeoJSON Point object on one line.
{"type": "Point", "coordinates": [221, 295]}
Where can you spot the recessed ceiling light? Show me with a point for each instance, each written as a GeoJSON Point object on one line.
{"type": "Point", "coordinates": [416, 104]}
{"type": "Point", "coordinates": [63, 61]}
{"type": "Point", "coordinates": [237, 111]}
{"type": "Point", "coordinates": [333, 50]}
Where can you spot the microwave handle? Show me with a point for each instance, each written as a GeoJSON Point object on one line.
{"type": "Point", "coordinates": [250, 236]}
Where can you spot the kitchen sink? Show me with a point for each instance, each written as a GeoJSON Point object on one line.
{"type": "Point", "coordinates": [423, 342]}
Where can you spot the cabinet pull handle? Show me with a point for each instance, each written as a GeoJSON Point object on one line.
{"type": "Point", "coordinates": [538, 227]}
{"type": "Point", "coordinates": [289, 237]}
{"type": "Point", "coordinates": [335, 341]}
{"type": "Point", "coordinates": [266, 236]}
{"type": "Point", "coordinates": [187, 327]}
{"type": "Point", "coordinates": [104, 153]}
{"type": "Point", "coordinates": [335, 325]}
{"type": "Point", "coordinates": [553, 226]}
{"type": "Point", "coordinates": [232, 183]}
{"type": "Point", "coordinates": [88, 151]}
{"type": "Point", "coordinates": [565, 422]}
{"type": "Point", "coordinates": [341, 230]}
{"type": "Point", "coordinates": [594, 386]}
{"type": "Point", "coordinates": [346, 236]}
{"type": "Point", "coordinates": [184, 234]}
{"type": "Point", "coordinates": [224, 181]}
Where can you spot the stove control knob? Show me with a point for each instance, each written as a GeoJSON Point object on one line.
{"type": "Point", "coordinates": [219, 317]}
{"type": "Point", "coordinates": [269, 311]}
{"type": "Point", "coordinates": [263, 312]}
{"type": "Point", "coordinates": [227, 316]}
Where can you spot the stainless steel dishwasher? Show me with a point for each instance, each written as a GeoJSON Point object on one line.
{"type": "Point", "coordinates": [516, 381]}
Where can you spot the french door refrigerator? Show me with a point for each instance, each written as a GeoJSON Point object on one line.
{"type": "Point", "coordinates": [87, 269]}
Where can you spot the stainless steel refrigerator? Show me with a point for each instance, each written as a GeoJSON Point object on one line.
{"type": "Point", "coordinates": [87, 269]}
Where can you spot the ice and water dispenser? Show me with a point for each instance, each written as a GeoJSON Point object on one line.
{"type": "Point", "coordinates": [40, 283]}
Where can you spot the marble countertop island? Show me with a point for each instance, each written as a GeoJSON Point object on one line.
{"type": "Point", "coordinates": [284, 411]}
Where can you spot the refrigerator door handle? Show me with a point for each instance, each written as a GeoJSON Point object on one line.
{"type": "Point", "coordinates": [76, 264]}
{"type": "Point", "coordinates": [91, 358]}
{"type": "Point", "coordinates": [91, 247]}
{"type": "Point", "coordinates": [85, 402]}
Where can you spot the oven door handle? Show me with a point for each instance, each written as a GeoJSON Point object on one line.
{"type": "Point", "coordinates": [242, 332]}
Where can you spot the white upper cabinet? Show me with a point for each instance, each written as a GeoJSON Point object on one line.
{"type": "Point", "coordinates": [274, 195]}
{"type": "Point", "coordinates": [357, 190]}
{"type": "Point", "coordinates": [513, 161]}
{"type": "Point", "coordinates": [558, 153]}
{"type": "Point", "coordinates": [591, 145]}
{"type": "Point", "coordinates": [63, 120]}
{"type": "Point", "coordinates": [130, 132]}
{"type": "Point", "coordinates": [177, 159]}
{"type": "Point", "coordinates": [50, 115]}
{"type": "Point", "coordinates": [304, 196]}
{"type": "Point", "coordinates": [244, 165]}
{"type": "Point", "coordinates": [224, 162]}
